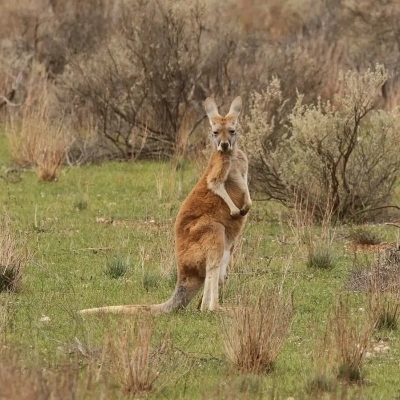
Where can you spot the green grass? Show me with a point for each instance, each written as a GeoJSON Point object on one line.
{"type": "Point", "coordinates": [125, 216]}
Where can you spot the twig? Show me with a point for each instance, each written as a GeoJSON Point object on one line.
{"type": "Point", "coordinates": [392, 224]}
{"type": "Point", "coordinates": [94, 249]}
{"type": "Point", "coordinates": [8, 102]}
{"type": "Point", "coordinates": [375, 209]}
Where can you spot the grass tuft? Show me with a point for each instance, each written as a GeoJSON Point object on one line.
{"type": "Point", "coordinates": [349, 334]}
{"type": "Point", "coordinates": [116, 267]}
{"type": "Point", "coordinates": [150, 280]}
{"type": "Point", "coordinates": [254, 333]}
{"type": "Point", "coordinates": [320, 383]}
{"type": "Point", "coordinates": [384, 309]}
{"type": "Point", "coordinates": [80, 203]}
{"type": "Point", "coordinates": [133, 364]}
{"type": "Point", "coordinates": [321, 258]}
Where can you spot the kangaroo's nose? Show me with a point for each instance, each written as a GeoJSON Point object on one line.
{"type": "Point", "coordinates": [225, 145]}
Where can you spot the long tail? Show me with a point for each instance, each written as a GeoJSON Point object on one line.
{"type": "Point", "coordinates": [179, 299]}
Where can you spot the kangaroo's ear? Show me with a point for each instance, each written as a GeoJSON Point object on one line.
{"type": "Point", "coordinates": [211, 107]}
{"type": "Point", "coordinates": [236, 107]}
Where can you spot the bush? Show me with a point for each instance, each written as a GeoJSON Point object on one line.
{"type": "Point", "coordinates": [143, 87]}
{"type": "Point", "coordinates": [129, 77]}
{"type": "Point", "coordinates": [364, 236]}
{"type": "Point", "coordinates": [340, 157]}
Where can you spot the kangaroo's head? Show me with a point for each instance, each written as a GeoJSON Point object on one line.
{"type": "Point", "coordinates": [223, 128]}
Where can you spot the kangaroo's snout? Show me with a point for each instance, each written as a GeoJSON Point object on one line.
{"type": "Point", "coordinates": [225, 145]}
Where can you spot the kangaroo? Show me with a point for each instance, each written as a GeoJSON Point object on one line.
{"type": "Point", "coordinates": [208, 222]}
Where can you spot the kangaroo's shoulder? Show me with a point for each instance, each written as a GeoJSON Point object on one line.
{"type": "Point", "coordinates": [241, 156]}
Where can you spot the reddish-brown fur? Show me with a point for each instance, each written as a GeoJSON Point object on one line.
{"type": "Point", "coordinates": [209, 220]}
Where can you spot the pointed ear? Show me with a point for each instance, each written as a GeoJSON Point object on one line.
{"type": "Point", "coordinates": [211, 107]}
{"type": "Point", "coordinates": [236, 107]}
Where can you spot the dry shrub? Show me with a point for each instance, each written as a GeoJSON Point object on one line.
{"type": "Point", "coordinates": [347, 338]}
{"type": "Point", "coordinates": [379, 279]}
{"type": "Point", "coordinates": [381, 274]}
{"type": "Point", "coordinates": [140, 70]}
{"type": "Point", "coordinates": [132, 361]}
{"type": "Point", "coordinates": [12, 256]}
{"type": "Point", "coordinates": [38, 138]}
{"type": "Point", "coordinates": [364, 236]}
{"type": "Point", "coordinates": [253, 334]}
{"type": "Point", "coordinates": [144, 87]}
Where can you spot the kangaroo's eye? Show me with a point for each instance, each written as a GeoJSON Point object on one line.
{"type": "Point", "coordinates": [215, 133]}
{"type": "Point", "coordinates": [232, 131]}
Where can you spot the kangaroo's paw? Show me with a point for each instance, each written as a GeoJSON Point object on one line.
{"type": "Point", "coordinates": [235, 213]}
{"type": "Point", "coordinates": [245, 209]}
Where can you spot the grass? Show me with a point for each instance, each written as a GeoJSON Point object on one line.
{"type": "Point", "coordinates": [129, 217]}
{"type": "Point", "coordinates": [321, 258]}
{"type": "Point", "coordinates": [116, 267]}
{"type": "Point", "coordinates": [254, 331]}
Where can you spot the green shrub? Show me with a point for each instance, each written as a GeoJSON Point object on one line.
{"type": "Point", "coordinates": [341, 157]}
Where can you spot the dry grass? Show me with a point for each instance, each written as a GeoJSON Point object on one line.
{"type": "Point", "coordinates": [132, 362]}
{"type": "Point", "coordinates": [37, 137]}
{"type": "Point", "coordinates": [347, 339]}
{"type": "Point", "coordinates": [12, 256]}
{"type": "Point", "coordinates": [382, 284]}
{"type": "Point", "coordinates": [314, 242]}
{"type": "Point", "coordinates": [384, 308]}
{"type": "Point", "coordinates": [67, 381]}
{"type": "Point", "coordinates": [254, 333]}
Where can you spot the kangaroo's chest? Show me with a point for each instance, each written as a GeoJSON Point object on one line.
{"type": "Point", "coordinates": [235, 185]}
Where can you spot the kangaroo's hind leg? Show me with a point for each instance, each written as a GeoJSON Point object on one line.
{"type": "Point", "coordinates": [214, 244]}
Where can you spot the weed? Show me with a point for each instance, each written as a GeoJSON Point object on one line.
{"type": "Point", "coordinates": [254, 334]}
{"type": "Point", "coordinates": [116, 267]}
